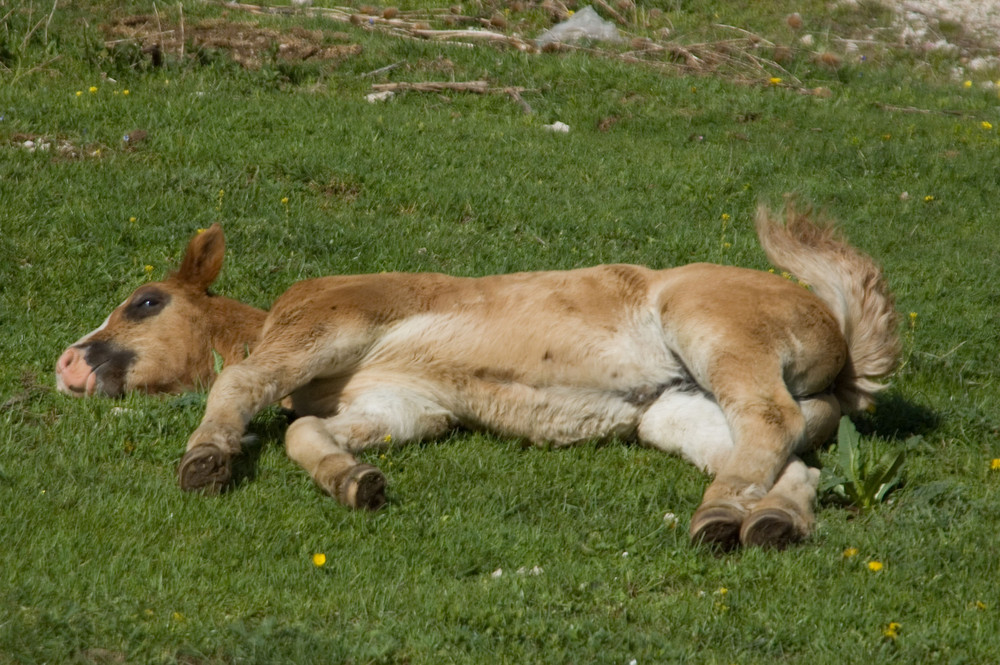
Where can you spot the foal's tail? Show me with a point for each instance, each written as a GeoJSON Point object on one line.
{"type": "Point", "coordinates": [851, 285]}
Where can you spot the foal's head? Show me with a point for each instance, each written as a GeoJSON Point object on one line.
{"type": "Point", "coordinates": [162, 337]}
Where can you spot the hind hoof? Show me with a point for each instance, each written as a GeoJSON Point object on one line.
{"type": "Point", "coordinates": [361, 486]}
{"type": "Point", "coordinates": [206, 468]}
{"type": "Point", "coordinates": [717, 524]}
{"type": "Point", "coordinates": [772, 527]}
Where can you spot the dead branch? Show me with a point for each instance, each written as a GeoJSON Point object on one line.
{"type": "Point", "coordinates": [914, 109]}
{"type": "Point", "coordinates": [515, 94]}
{"type": "Point", "coordinates": [480, 87]}
{"type": "Point", "coordinates": [383, 70]}
{"type": "Point", "coordinates": [484, 35]}
{"type": "Point", "coordinates": [606, 7]}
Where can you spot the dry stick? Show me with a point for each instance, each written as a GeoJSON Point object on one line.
{"type": "Point", "coordinates": [46, 34]}
{"type": "Point", "coordinates": [383, 70]}
{"type": "Point", "coordinates": [516, 96]}
{"type": "Point", "coordinates": [180, 7]}
{"type": "Point", "coordinates": [24, 42]}
{"type": "Point", "coordinates": [486, 35]}
{"type": "Point", "coordinates": [480, 87]}
{"type": "Point", "coordinates": [914, 109]}
{"type": "Point", "coordinates": [606, 7]}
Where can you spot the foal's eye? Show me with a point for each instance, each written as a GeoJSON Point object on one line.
{"type": "Point", "coordinates": [145, 305]}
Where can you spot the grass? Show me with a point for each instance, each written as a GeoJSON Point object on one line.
{"type": "Point", "coordinates": [105, 560]}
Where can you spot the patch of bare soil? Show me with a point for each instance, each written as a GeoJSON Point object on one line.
{"type": "Point", "coordinates": [247, 44]}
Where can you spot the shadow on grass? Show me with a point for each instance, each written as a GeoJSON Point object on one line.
{"type": "Point", "coordinates": [896, 419]}
{"type": "Point", "coordinates": [267, 428]}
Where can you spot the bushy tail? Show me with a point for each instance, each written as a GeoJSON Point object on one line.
{"type": "Point", "coordinates": [851, 285]}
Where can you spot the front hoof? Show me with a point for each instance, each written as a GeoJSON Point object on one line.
{"type": "Point", "coordinates": [776, 528]}
{"type": "Point", "coordinates": [717, 524]}
{"type": "Point", "coordinates": [361, 486]}
{"type": "Point", "coordinates": [206, 468]}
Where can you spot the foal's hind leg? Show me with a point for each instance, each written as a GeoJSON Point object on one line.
{"type": "Point", "coordinates": [785, 514]}
{"type": "Point", "coordinates": [325, 447]}
{"type": "Point", "coordinates": [693, 426]}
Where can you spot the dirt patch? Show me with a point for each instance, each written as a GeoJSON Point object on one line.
{"type": "Point", "coordinates": [247, 44]}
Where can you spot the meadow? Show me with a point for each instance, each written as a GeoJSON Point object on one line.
{"type": "Point", "coordinates": [126, 125]}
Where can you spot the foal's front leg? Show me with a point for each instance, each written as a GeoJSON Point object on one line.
{"type": "Point", "coordinates": [238, 394]}
{"type": "Point", "coordinates": [325, 447]}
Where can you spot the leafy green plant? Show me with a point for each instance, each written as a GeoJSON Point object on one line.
{"type": "Point", "coordinates": [863, 476]}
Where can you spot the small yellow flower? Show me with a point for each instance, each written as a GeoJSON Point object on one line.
{"type": "Point", "coordinates": [786, 275]}
{"type": "Point", "coordinates": [774, 80]}
{"type": "Point", "coordinates": [319, 559]}
{"type": "Point", "coordinates": [986, 125]}
{"type": "Point", "coordinates": [725, 216]}
{"type": "Point", "coordinates": [891, 631]}
{"type": "Point", "coordinates": [722, 591]}
{"type": "Point", "coordinates": [92, 89]}
{"type": "Point", "coordinates": [387, 438]}
{"type": "Point", "coordinates": [875, 566]}
{"type": "Point", "coordinates": [928, 198]}
{"type": "Point", "coordinates": [886, 137]}
{"type": "Point", "coordinates": [284, 200]}
{"type": "Point", "coordinates": [79, 92]}
{"type": "Point", "coordinates": [178, 617]}
{"type": "Point", "coordinates": [148, 268]}
{"type": "Point", "coordinates": [200, 230]}
{"type": "Point", "coordinates": [995, 464]}
{"type": "Point", "coordinates": [131, 219]}
{"type": "Point", "coordinates": [968, 84]}
{"type": "Point", "coordinates": [980, 605]}
{"type": "Point", "coordinates": [850, 552]}
{"type": "Point", "coordinates": [125, 91]}
{"type": "Point", "coordinates": [727, 245]}
{"type": "Point", "coordinates": [570, 12]}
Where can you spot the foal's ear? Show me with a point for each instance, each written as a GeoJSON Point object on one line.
{"type": "Point", "coordinates": [203, 258]}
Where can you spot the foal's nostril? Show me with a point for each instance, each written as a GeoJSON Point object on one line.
{"type": "Point", "coordinates": [66, 359]}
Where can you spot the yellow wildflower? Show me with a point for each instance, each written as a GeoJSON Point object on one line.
{"type": "Point", "coordinates": [125, 91]}
{"type": "Point", "coordinates": [774, 80]}
{"type": "Point", "coordinates": [875, 566]}
{"type": "Point", "coordinates": [727, 245]}
{"type": "Point", "coordinates": [891, 631]}
{"type": "Point", "coordinates": [995, 464]}
{"type": "Point", "coordinates": [177, 616]}
{"type": "Point", "coordinates": [92, 89]}
{"type": "Point", "coordinates": [387, 438]}
{"type": "Point", "coordinates": [722, 591]}
{"type": "Point", "coordinates": [284, 200]}
{"type": "Point", "coordinates": [986, 125]}
{"type": "Point", "coordinates": [968, 84]}
{"type": "Point", "coordinates": [725, 216]}
{"type": "Point", "coordinates": [850, 552]}
{"type": "Point", "coordinates": [928, 198]}
{"type": "Point", "coordinates": [79, 92]}
{"type": "Point", "coordinates": [131, 219]}
{"type": "Point", "coordinates": [148, 268]}
{"type": "Point", "coordinates": [319, 559]}
{"type": "Point", "coordinates": [980, 605]}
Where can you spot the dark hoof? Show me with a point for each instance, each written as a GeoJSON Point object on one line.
{"type": "Point", "coordinates": [771, 527]}
{"type": "Point", "coordinates": [717, 525]}
{"type": "Point", "coordinates": [206, 468]}
{"type": "Point", "coordinates": [361, 486]}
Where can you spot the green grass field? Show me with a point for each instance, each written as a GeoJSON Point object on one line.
{"type": "Point", "coordinates": [487, 552]}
